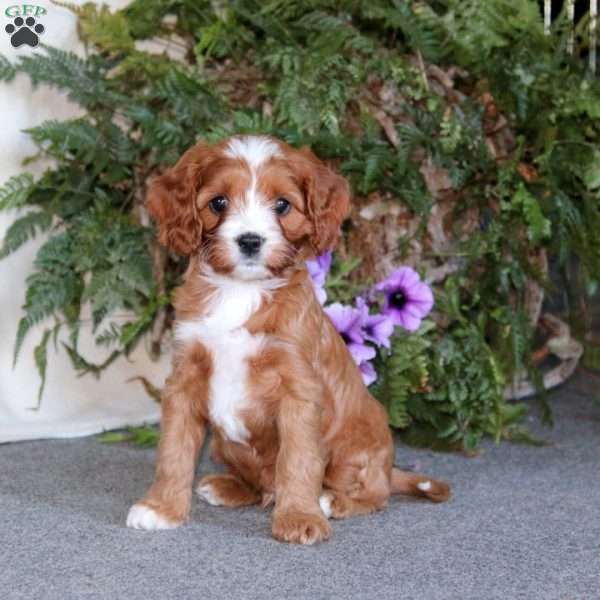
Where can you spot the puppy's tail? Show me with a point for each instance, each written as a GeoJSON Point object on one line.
{"type": "Point", "coordinates": [413, 484]}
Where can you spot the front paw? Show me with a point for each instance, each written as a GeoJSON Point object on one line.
{"type": "Point", "coordinates": [300, 528]}
{"type": "Point", "coordinates": [141, 516]}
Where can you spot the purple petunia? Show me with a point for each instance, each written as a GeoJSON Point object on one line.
{"type": "Point", "coordinates": [368, 372]}
{"type": "Point", "coordinates": [318, 270]}
{"type": "Point", "coordinates": [408, 300]}
{"type": "Point", "coordinates": [377, 328]}
{"type": "Point", "coordinates": [348, 322]}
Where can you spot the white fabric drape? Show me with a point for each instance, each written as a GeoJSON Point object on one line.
{"type": "Point", "coordinates": [71, 406]}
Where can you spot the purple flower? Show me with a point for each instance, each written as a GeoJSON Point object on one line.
{"type": "Point", "coordinates": [361, 352]}
{"type": "Point", "coordinates": [318, 270]}
{"type": "Point", "coordinates": [376, 328]}
{"type": "Point", "coordinates": [348, 322]}
{"type": "Point", "coordinates": [407, 299]}
{"type": "Point", "coordinates": [319, 267]}
{"type": "Point", "coordinates": [368, 372]}
{"type": "Point", "coordinates": [320, 293]}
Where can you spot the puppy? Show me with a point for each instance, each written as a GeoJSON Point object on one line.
{"type": "Point", "coordinates": [255, 357]}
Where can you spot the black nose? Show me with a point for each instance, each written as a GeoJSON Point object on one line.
{"type": "Point", "coordinates": [250, 243]}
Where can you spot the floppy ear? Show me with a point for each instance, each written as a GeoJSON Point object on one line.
{"type": "Point", "coordinates": [328, 203]}
{"type": "Point", "coordinates": [171, 201]}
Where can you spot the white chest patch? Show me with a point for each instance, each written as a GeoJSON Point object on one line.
{"type": "Point", "coordinates": [221, 330]}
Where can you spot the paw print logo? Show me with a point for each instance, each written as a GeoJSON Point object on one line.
{"type": "Point", "coordinates": [24, 31]}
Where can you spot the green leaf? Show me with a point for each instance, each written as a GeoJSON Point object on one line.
{"type": "Point", "coordinates": [422, 435]}
{"type": "Point", "coordinates": [538, 226]}
{"type": "Point", "coordinates": [24, 229]}
{"type": "Point", "coordinates": [82, 80]}
{"type": "Point", "coordinates": [15, 192]}
{"type": "Point", "coordinates": [54, 287]}
{"type": "Point", "coordinates": [7, 69]}
{"type": "Point", "coordinates": [471, 440]}
{"type": "Point", "coordinates": [401, 373]}
{"type": "Point", "coordinates": [113, 437]}
{"type": "Point", "coordinates": [107, 30]}
{"type": "Point", "coordinates": [144, 437]}
{"type": "Point", "coordinates": [591, 176]}
{"type": "Point", "coordinates": [521, 435]}
{"type": "Point", "coordinates": [85, 367]}
{"type": "Point", "coordinates": [41, 361]}
{"type": "Point", "coordinates": [152, 391]}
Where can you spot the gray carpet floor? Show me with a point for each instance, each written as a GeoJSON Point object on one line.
{"type": "Point", "coordinates": [524, 522]}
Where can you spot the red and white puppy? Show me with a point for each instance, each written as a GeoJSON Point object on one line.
{"type": "Point", "coordinates": [256, 358]}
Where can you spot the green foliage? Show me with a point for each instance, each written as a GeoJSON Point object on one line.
{"type": "Point", "coordinates": [101, 27]}
{"type": "Point", "coordinates": [15, 191]}
{"type": "Point", "coordinates": [144, 437]}
{"type": "Point", "coordinates": [54, 287]}
{"type": "Point", "coordinates": [315, 72]}
{"type": "Point", "coordinates": [447, 388]}
{"type": "Point", "coordinates": [41, 360]}
{"type": "Point", "coordinates": [404, 373]}
{"type": "Point", "coordinates": [340, 288]}
{"type": "Point", "coordinates": [538, 226]}
{"type": "Point", "coordinates": [7, 69]}
{"type": "Point", "coordinates": [480, 30]}
{"type": "Point", "coordinates": [85, 81]}
{"type": "Point", "coordinates": [24, 229]}
{"type": "Point", "coordinates": [467, 385]}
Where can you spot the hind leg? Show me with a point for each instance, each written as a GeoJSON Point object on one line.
{"type": "Point", "coordinates": [354, 491]}
{"type": "Point", "coordinates": [226, 490]}
{"type": "Point", "coordinates": [356, 487]}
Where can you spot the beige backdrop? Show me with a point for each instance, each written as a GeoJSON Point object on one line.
{"type": "Point", "coordinates": [71, 406]}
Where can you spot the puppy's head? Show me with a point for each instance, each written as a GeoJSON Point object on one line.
{"type": "Point", "coordinates": [250, 206]}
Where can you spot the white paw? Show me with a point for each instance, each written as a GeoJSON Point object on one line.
{"type": "Point", "coordinates": [424, 486]}
{"type": "Point", "coordinates": [143, 517]}
{"type": "Point", "coordinates": [325, 504]}
{"type": "Point", "coordinates": [207, 493]}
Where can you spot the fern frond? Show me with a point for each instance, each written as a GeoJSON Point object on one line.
{"type": "Point", "coordinates": [15, 192]}
{"type": "Point", "coordinates": [402, 373]}
{"type": "Point", "coordinates": [106, 29]}
{"type": "Point", "coordinates": [7, 69]}
{"type": "Point", "coordinates": [83, 80]}
{"type": "Point", "coordinates": [40, 356]}
{"type": "Point", "coordinates": [538, 226]}
{"type": "Point", "coordinates": [71, 138]}
{"type": "Point", "coordinates": [24, 229]}
{"type": "Point", "coordinates": [54, 287]}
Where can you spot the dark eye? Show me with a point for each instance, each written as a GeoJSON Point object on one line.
{"type": "Point", "coordinates": [282, 206]}
{"type": "Point", "coordinates": [218, 204]}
